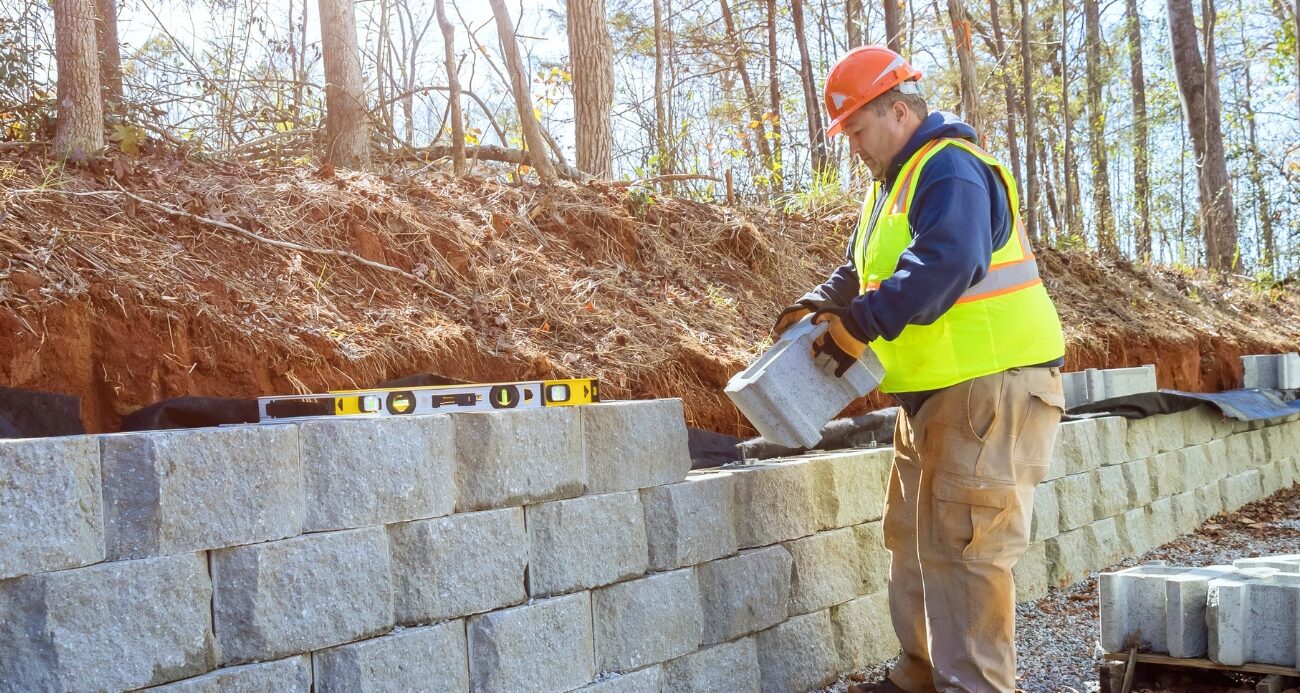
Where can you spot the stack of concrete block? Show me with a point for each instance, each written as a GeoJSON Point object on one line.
{"type": "Point", "coordinates": [1271, 372]}
{"type": "Point", "coordinates": [1251, 617]}
{"type": "Point", "coordinates": [1095, 385]}
{"type": "Point", "coordinates": [1157, 608]}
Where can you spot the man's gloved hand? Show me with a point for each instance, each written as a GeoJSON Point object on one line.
{"type": "Point", "coordinates": [794, 314]}
{"type": "Point", "coordinates": [844, 342]}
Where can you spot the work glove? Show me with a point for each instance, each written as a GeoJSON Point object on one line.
{"type": "Point", "coordinates": [844, 342]}
{"type": "Point", "coordinates": [794, 314]}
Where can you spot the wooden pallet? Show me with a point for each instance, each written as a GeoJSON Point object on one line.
{"type": "Point", "coordinates": [1117, 676]}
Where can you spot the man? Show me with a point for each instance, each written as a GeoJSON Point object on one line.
{"type": "Point", "coordinates": [942, 285]}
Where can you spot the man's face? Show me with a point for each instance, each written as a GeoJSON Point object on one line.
{"type": "Point", "coordinates": [877, 138]}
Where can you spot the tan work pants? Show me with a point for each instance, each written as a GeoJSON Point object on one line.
{"type": "Point", "coordinates": [956, 521]}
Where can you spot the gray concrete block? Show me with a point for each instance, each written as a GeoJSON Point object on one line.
{"type": "Point", "coordinates": [292, 675]}
{"type": "Point", "coordinates": [1157, 607]}
{"type": "Point", "coordinates": [1271, 479]}
{"type": "Point", "coordinates": [181, 491]}
{"type": "Point", "coordinates": [1200, 424]}
{"type": "Point", "coordinates": [1031, 573]}
{"type": "Point", "coordinates": [873, 557]}
{"type": "Point", "coordinates": [459, 565]}
{"type": "Point", "coordinates": [1216, 463]}
{"type": "Point", "coordinates": [1271, 371]}
{"type": "Point", "coordinates": [1112, 440]}
{"type": "Point", "coordinates": [517, 457]}
{"type": "Point", "coordinates": [1251, 617]}
{"type": "Point", "coordinates": [646, 621]}
{"type": "Point", "coordinates": [1138, 489]}
{"type": "Point", "coordinates": [1185, 598]}
{"type": "Point", "coordinates": [729, 666]}
{"type": "Point", "coordinates": [1209, 502]}
{"type": "Point", "coordinates": [745, 593]}
{"type": "Point", "coordinates": [361, 472]}
{"type": "Point", "coordinates": [432, 659]}
{"type": "Point", "coordinates": [798, 654]}
{"type": "Point", "coordinates": [545, 645]}
{"type": "Point", "coordinates": [1070, 555]}
{"type": "Point", "coordinates": [827, 570]}
{"type": "Point", "coordinates": [850, 487]}
{"type": "Point", "coordinates": [1094, 385]}
{"type": "Point", "coordinates": [634, 444]}
{"type": "Point", "coordinates": [690, 522]}
{"type": "Point", "coordinates": [1142, 439]}
{"type": "Point", "coordinates": [864, 633]}
{"type": "Point", "coordinates": [1110, 492]}
{"type": "Point", "coordinates": [1075, 387]}
{"type": "Point", "coordinates": [1167, 474]}
{"type": "Point", "coordinates": [112, 626]}
{"type": "Point", "coordinates": [1284, 563]}
{"type": "Point", "coordinates": [1045, 521]}
{"type": "Point", "coordinates": [1186, 519]}
{"type": "Point", "coordinates": [1196, 468]}
{"type": "Point", "coordinates": [648, 680]}
{"type": "Point", "coordinates": [1135, 531]}
{"type": "Point", "coordinates": [1240, 489]}
{"type": "Point", "coordinates": [297, 595]}
{"type": "Point", "coordinates": [1161, 523]}
{"type": "Point", "coordinates": [51, 510]}
{"type": "Point", "coordinates": [1077, 449]}
{"type": "Point", "coordinates": [1110, 549]}
{"type": "Point", "coordinates": [1074, 498]}
{"type": "Point", "coordinates": [585, 542]}
{"type": "Point", "coordinates": [774, 502]}
{"type": "Point", "coordinates": [788, 397]}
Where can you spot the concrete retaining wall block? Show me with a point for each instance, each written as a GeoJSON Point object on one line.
{"type": "Point", "coordinates": [775, 502]}
{"type": "Point", "coordinates": [729, 666]}
{"type": "Point", "coordinates": [292, 675]}
{"type": "Point", "coordinates": [545, 645]}
{"type": "Point", "coordinates": [1167, 474]}
{"type": "Point", "coordinates": [1070, 555]}
{"type": "Point", "coordinates": [1209, 502]}
{"type": "Point", "coordinates": [432, 658]}
{"type": "Point", "coordinates": [827, 570]}
{"type": "Point", "coordinates": [1110, 549]}
{"type": "Point", "coordinates": [635, 444]}
{"type": "Point", "coordinates": [690, 522]}
{"type": "Point", "coordinates": [1031, 573]}
{"type": "Point", "coordinates": [112, 626]}
{"type": "Point", "coordinates": [1134, 528]}
{"type": "Point", "coordinates": [1112, 441]}
{"type": "Point", "coordinates": [51, 511]}
{"type": "Point", "coordinates": [1110, 495]}
{"type": "Point", "coordinates": [864, 633]}
{"type": "Point", "coordinates": [798, 654]}
{"type": "Point", "coordinates": [1045, 522]}
{"type": "Point", "coordinates": [648, 680]}
{"type": "Point", "coordinates": [1077, 450]}
{"type": "Point", "coordinates": [516, 457]}
{"type": "Point", "coordinates": [745, 593]}
{"type": "Point", "coordinates": [1137, 483]}
{"type": "Point", "coordinates": [1200, 424]}
{"type": "Point", "coordinates": [1252, 617]}
{"type": "Point", "coordinates": [1074, 498]}
{"type": "Point", "coordinates": [1160, 521]}
{"type": "Point", "coordinates": [850, 487]}
{"type": "Point", "coordinates": [181, 491]}
{"type": "Point", "coordinates": [585, 542]}
{"type": "Point", "coordinates": [361, 472]}
{"type": "Point", "coordinates": [1186, 519]}
{"type": "Point", "coordinates": [1240, 489]}
{"type": "Point", "coordinates": [646, 621]}
{"type": "Point", "coordinates": [301, 594]}
{"type": "Point", "coordinates": [873, 556]}
{"type": "Point", "coordinates": [458, 565]}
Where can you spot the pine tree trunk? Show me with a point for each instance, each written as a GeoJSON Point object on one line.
{"type": "Point", "coordinates": [1073, 219]}
{"type": "Point", "coordinates": [1031, 127]}
{"type": "Point", "coordinates": [1103, 212]}
{"type": "Point", "coordinates": [347, 127]}
{"type": "Point", "coordinates": [1141, 153]}
{"type": "Point", "coordinates": [774, 94]}
{"type": "Point", "coordinates": [970, 109]}
{"type": "Point", "coordinates": [751, 97]}
{"type": "Point", "coordinates": [110, 54]}
{"type": "Point", "coordinates": [812, 100]}
{"type": "Point", "coordinates": [1008, 90]}
{"type": "Point", "coordinates": [893, 25]}
{"type": "Point", "coordinates": [80, 130]}
{"type": "Point", "coordinates": [1197, 87]}
{"type": "Point", "coordinates": [1265, 213]}
{"type": "Point", "coordinates": [459, 167]}
{"type": "Point", "coordinates": [592, 54]}
{"type": "Point", "coordinates": [663, 127]}
{"type": "Point", "coordinates": [519, 82]}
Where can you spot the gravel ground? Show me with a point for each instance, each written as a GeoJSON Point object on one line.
{"type": "Point", "coordinates": [1057, 635]}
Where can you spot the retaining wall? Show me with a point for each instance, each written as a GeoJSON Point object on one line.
{"type": "Point", "coordinates": [543, 550]}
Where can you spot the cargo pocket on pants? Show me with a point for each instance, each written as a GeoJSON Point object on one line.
{"type": "Point", "coordinates": [971, 520]}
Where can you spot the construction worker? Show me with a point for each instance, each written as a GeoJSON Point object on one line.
{"type": "Point", "coordinates": [941, 283]}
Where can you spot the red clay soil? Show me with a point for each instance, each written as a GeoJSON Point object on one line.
{"type": "Point", "coordinates": [123, 304]}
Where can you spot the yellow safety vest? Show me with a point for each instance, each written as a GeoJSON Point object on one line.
{"type": "Point", "coordinates": [1004, 321]}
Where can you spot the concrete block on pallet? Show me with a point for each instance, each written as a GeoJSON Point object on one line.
{"type": "Point", "coordinates": [873, 556]}
{"type": "Point", "coordinates": [1240, 489]}
{"type": "Point", "coordinates": [1160, 608]}
{"type": "Point", "coordinates": [1271, 371]}
{"type": "Point", "coordinates": [432, 658]}
{"type": "Point", "coordinates": [112, 626]}
{"type": "Point", "coordinates": [297, 595]}
{"type": "Point", "coordinates": [1031, 573]}
{"type": "Point", "coordinates": [745, 593]}
{"type": "Point", "coordinates": [1283, 563]}
{"type": "Point", "coordinates": [508, 458]}
{"type": "Point", "coordinates": [728, 666]}
{"type": "Point", "coordinates": [864, 633]}
{"type": "Point", "coordinates": [585, 542]}
{"type": "Point", "coordinates": [646, 621]}
{"type": "Point", "coordinates": [774, 502]}
{"type": "Point", "coordinates": [292, 675]}
{"type": "Point", "coordinates": [798, 654]}
{"type": "Point", "coordinates": [1251, 617]}
{"type": "Point", "coordinates": [545, 645]}
{"type": "Point", "coordinates": [51, 512]}
{"type": "Point", "coordinates": [1209, 502]}
{"type": "Point", "coordinates": [181, 491]}
{"type": "Point", "coordinates": [362, 472]}
{"type": "Point", "coordinates": [648, 680]}
{"type": "Point", "coordinates": [827, 570]}
{"type": "Point", "coordinates": [850, 487]}
{"type": "Point", "coordinates": [690, 522]}
{"type": "Point", "coordinates": [789, 397]}
{"type": "Point", "coordinates": [1045, 521]}
{"type": "Point", "coordinates": [1112, 438]}
{"type": "Point", "coordinates": [458, 565]}
{"type": "Point", "coordinates": [1074, 498]}
{"type": "Point", "coordinates": [1077, 450]}
{"type": "Point", "coordinates": [635, 444]}
{"type": "Point", "coordinates": [1110, 493]}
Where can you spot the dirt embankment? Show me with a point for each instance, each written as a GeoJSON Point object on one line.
{"type": "Point", "coordinates": [117, 301]}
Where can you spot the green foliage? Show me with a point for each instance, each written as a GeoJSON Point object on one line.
{"type": "Point", "coordinates": [827, 193]}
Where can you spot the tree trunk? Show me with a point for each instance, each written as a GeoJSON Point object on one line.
{"type": "Point", "coordinates": [1198, 89]}
{"type": "Point", "coordinates": [347, 127]}
{"type": "Point", "coordinates": [1008, 90]}
{"type": "Point", "coordinates": [751, 98]}
{"type": "Point", "coordinates": [519, 81]}
{"type": "Point", "coordinates": [1073, 220]}
{"type": "Point", "coordinates": [1247, 113]}
{"type": "Point", "coordinates": [970, 109]}
{"type": "Point", "coordinates": [458, 164]}
{"type": "Point", "coordinates": [663, 128]}
{"type": "Point", "coordinates": [852, 23]}
{"type": "Point", "coordinates": [812, 102]}
{"type": "Point", "coordinates": [1031, 126]}
{"type": "Point", "coordinates": [774, 94]}
{"type": "Point", "coordinates": [1141, 147]}
{"type": "Point", "coordinates": [80, 130]}
{"type": "Point", "coordinates": [1103, 212]}
{"type": "Point", "coordinates": [592, 54]}
{"type": "Point", "coordinates": [893, 25]}
{"type": "Point", "coordinates": [110, 55]}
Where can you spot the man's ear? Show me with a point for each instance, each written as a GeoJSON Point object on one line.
{"type": "Point", "coordinates": [900, 111]}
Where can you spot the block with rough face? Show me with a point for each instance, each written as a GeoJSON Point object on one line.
{"type": "Point", "coordinates": [51, 512]}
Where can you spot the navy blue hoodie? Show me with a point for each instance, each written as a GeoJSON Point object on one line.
{"type": "Point", "coordinates": [959, 215]}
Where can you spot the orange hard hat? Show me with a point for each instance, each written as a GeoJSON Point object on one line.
{"type": "Point", "coordinates": [860, 76]}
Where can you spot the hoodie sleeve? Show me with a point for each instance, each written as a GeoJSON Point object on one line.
{"type": "Point", "coordinates": [840, 289]}
{"type": "Point", "coordinates": [953, 221]}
